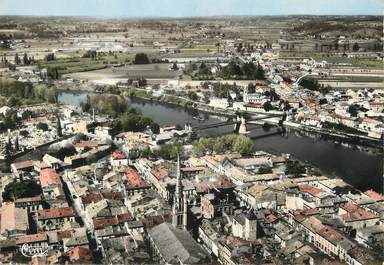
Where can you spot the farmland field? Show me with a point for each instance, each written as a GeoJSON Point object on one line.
{"type": "Point", "coordinates": [149, 71]}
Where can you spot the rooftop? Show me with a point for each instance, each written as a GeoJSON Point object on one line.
{"type": "Point", "coordinates": [55, 213]}
{"type": "Point", "coordinates": [176, 245]}
{"type": "Point", "coordinates": [48, 176]}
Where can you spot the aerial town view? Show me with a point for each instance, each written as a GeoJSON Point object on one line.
{"type": "Point", "coordinates": [208, 132]}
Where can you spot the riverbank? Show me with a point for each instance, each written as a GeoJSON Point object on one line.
{"type": "Point", "coordinates": [332, 135]}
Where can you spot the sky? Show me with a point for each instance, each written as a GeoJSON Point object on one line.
{"type": "Point", "coordinates": [188, 8]}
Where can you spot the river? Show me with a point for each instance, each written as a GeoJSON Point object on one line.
{"type": "Point", "coordinates": [362, 169]}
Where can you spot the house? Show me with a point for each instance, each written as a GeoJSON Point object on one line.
{"type": "Point", "coordinates": [53, 162]}
{"type": "Point", "coordinates": [221, 103]}
{"type": "Point", "coordinates": [103, 132]}
{"type": "Point", "coordinates": [213, 205]}
{"type": "Point", "coordinates": [333, 243]}
{"type": "Point", "coordinates": [119, 159]}
{"type": "Point", "coordinates": [80, 255]}
{"type": "Point", "coordinates": [14, 221]}
{"type": "Point", "coordinates": [357, 217]}
{"type": "Point", "coordinates": [54, 218]}
{"type": "Point", "coordinates": [134, 182]}
{"type": "Point", "coordinates": [85, 145]}
{"type": "Point", "coordinates": [245, 225]}
{"type": "Point", "coordinates": [31, 204]}
{"type": "Point", "coordinates": [34, 240]}
{"type": "Point", "coordinates": [51, 184]}
{"type": "Point", "coordinates": [23, 166]}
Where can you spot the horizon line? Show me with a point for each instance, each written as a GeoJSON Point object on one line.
{"type": "Point", "coordinates": [192, 16]}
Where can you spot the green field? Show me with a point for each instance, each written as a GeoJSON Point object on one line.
{"type": "Point", "coordinates": [78, 64]}
{"type": "Point", "coordinates": [333, 59]}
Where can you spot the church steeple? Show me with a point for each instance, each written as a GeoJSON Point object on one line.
{"type": "Point", "coordinates": [179, 209]}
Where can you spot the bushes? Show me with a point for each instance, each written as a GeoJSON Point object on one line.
{"type": "Point", "coordinates": [15, 190]}
{"type": "Point", "coordinates": [42, 126]}
{"type": "Point", "coordinates": [294, 168]}
{"type": "Point", "coordinates": [141, 58]}
{"type": "Point", "coordinates": [169, 151]}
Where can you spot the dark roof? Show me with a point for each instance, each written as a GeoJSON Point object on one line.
{"type": "Point", "coordinates": [176, 245]}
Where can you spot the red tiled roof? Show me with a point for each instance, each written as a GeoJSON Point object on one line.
{"type": "Point", "coordinates": [309, 189]}
{"type": "Point", "coordinates": [80, 253]}
{"type": "Point", "coordinates": [349, 207]}
{"type": "Point", "coordinates": [374, 195]}
{"type": "Point", "coordinates": [357, 215]}
{"type": "Point", "coordinates": [24, 164]}
{"type": "Point", "coordinates": [100, 223]}
{"type": "Point", "coordinates": [118, 155]}
{"type": "Point", "coordinates": [55, 213]}
{"type": "Point", "coordinates": [32, 238]}
{"type": "Point", "coordinates": [301, 215]}
{"type": "Point", "coordinates": [91, 197]}
{"type": "Point", "coordinates": [84, 144]}
{"type": "Point", "coordinates": [270, 218]}
{"type": "Point", "coordinates": [151, 221]}
{"type": "Point", "coordinates": [221, 182]}
{"type": "Point", "coordinates": [104, 222]}
{"type": "Point", "coordinates": [332, 235]}
{"type": "Point", "coordinates": [98, 196]}
{"type": "Point", "coordinates": [48, 176]}
{"type": "Point", "coordinates": [160, 173]}
{"type": "Point", "coordinates": [134, 180]}
{"type": "Point", "coordinates": [63, 234]}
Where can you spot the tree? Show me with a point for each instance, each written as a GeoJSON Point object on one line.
{"type": "Point", "coordinates": [267, 106]}
{"type": "Point", "coordinates": [90, 54]}
{"type": "Point", "coordinates": [17, 147]}
{"type": "Point", "coordinates": [260, 74]}
{"type": "Point", "coordinates": [204, 70]}
{"type": "Point", "coordinates": [264, 170]}
{"type": "Point", "coordinates": [141, 58]}
{"type": "Point", "coordinates": [193, 96]}
{"type": "Point", "coordinates": [16, 190]}
{"type": "Point", "coordinates": [355, 47]}
{"type": "Point", "coordinates": [42, 126]}
{"type": "Point", "coordinates": [169, 151]}
{"type": "Point", "coordinates": [323, 101]}
{"type": "Point", "coordinates": [234, 143]}
{"type": "Point", "coordinates": [7, 156]}
{"type": "Point", "coordinates": [310, 84]}
{"type": "Point", "coordinates": [218, 47]}
{"type": "Point", "coordinates": [26, 60]}
{"type": "Point", "coordinates": [50, 57]}
{"type": "Point", "coordinates": [58, 127]}
{"type": "Point", "coordinates": [251, 88]}
{"type": "Point", "coordinates": [17, 59]}
{"type": "Point", "coordinates": [175, 67]}
{"type": "Point", "coordinates": [53, 72]}
{"type": "Point", "coordinates": [243, 145]}
{"type": "Point", "coordinates": [294, 168]}
{"type": "Point", "coordinates": [353, 110]}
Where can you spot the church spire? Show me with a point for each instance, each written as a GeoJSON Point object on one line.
{"type": "Point", "coordinates": [179, 207]}
{"type": "Point", "coordinates": [178, 179]}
